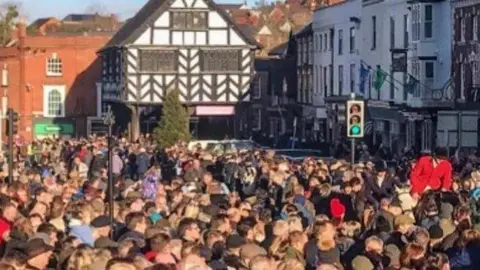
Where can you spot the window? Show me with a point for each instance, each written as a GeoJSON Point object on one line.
{"type": "Point", "coordinates": [340, 80]}
{"type": "Point", "coordinates": [352, 39]}
{"type": "Point", "coordinates": [310, 50]}
{"type": "Point", "coordinates": [325, 42]}
{"type": "Point", "coordinates": [220, 60]}
{"type": "Point", "coordinates": [330, 79]}
{"type": "Point", "coordinates": [325, 86]}
{"type": "Point", "coordinates": [257, 119]}
{"type": "Point", "coordinates": [475, 71]}
{"type": "Point", "coordinates": [257, 87]}
{"type": "Point", "coordinates": [416, 22]}
{"type": "Point", "coordinates": [305, 51]}
{"type": "Point", "coordinates": [462, 81]}
{"type": "Point", "coordinates": [429, 71]}
{"type": "Point", "coordinates": [332, 41]}
{"type": "Point", "coordinates": [320, 43]}
{"type": "Point", "coordinates": [374, 32]}
{"type": "Point", "coordinates": [352, 78]}
{"type": "Point", "coordinates": [405, 31]}
{"type": "Point", "coordinates": [158, 60]}
{"type": "Point", "coordinates": [462, 29]}
{"type": "Point", "coordinates": [189, 20]}
{"type": "Point", "coordinates": [392, 32]}
{"type": "Point", "coordinates": [54, 66]}
{"type": "Point", "coordinates": [299, 84]}
{"type": "Point", "coordinates": [54, 101]}
{"type": "Point", "coordinates": [340, 41]}
{"type": "Point", "coordinates": [475, 28]}
{"type": "Point", "coordinates": [428, 25]}
{"type": "Point", "coordinates": [299, 53]}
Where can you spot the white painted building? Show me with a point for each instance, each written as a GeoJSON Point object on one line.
{"type": "Point", "coordinates": [189, 45]}
{"type": "Point", "coordinates": [336, 48]}
{"type": "Point", "coordinates": [384, 27]}
{"type": "Point", "coordinates": [423, 30]}
{"type": "Point", "coordinates": [336, 59]}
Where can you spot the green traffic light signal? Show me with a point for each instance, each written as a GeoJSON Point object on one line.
{"type": "Point", "coordinates": [355, 130]}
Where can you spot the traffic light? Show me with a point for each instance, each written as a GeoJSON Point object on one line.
{"type": "Point", "coordinates": [12, 122]}
{"type": "Point", "coordinates": [355, 118]}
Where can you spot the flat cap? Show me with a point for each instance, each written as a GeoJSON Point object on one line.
{"type": "Point", "coordinates": [100, 222]}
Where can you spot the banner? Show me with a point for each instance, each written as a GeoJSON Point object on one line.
{"type": "Point", "coordinates": [380, 77]}
{"type": "Point", "coordinates": [363, 77]}
{"type": "Point", "coordinates": [411, 84]}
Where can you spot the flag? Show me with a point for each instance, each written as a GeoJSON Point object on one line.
{"type": "Point", "coordinates": [380, 77]}
{"type": "Point", "coordinates": [363, 77]}
{"type": "Point", "coordinates": [411, 85]}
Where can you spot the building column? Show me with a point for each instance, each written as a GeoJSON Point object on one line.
{"type": "Point", "coordinates": [134, 122]}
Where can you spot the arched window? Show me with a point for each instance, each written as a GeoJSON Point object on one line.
{"type": "Point", "coordinates": [54, 101]}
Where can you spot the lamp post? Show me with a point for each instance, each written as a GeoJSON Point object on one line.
{"type": "Point", "coordinates": [110, 121]}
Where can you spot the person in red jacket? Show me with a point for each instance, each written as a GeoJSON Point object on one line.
{"type": "Point", "coordinates": [442, 171]}
{"type": "Point", "coordinates": [421, 175]}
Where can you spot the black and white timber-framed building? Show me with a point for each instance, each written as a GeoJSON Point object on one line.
{"type": "Point", "coordinates": [189, 45]}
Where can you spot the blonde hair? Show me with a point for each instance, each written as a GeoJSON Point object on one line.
{"type": "Point", "coordinates": [81, 259]}
{"type": "Point", "coordinates": [280, 227]}
{"type": "Point", "coordinates": [123, 266]}
{"type": "Point", "coordinates": [103, 255]}
{"type": "Point", "coordinates": [278, 248]}
{"type": "Point", "coordinates": [294, 224]}
{"type": "Point", "coordinates": [325, 189]}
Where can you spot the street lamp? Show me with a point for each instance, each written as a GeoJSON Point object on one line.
{"type": "Point", "coordinates": [110, 121]}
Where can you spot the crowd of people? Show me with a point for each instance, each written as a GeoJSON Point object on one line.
{"type": "Point", "coordinates": [180, 209]}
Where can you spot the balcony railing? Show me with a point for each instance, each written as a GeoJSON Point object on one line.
{"type": "Point", "coordinates": [425, 95]}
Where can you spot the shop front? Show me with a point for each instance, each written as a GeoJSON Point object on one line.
{"type": "Point", "coordinates": [54, 128]}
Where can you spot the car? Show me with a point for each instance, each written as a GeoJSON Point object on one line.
{"type": "Point", "coordinates": [228, 146]}
{"type": "Point", "coordinates": [202, 143]}
{"type": "Point", "coordinates": [301, 154]}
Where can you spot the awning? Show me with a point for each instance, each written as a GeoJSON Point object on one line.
{"type": "Point", "coordinates": [387, 114]}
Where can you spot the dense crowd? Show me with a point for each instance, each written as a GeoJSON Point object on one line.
{"type": "Point", "coordinates": [181, 209]}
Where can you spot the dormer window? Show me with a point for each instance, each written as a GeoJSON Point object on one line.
{"type": "Point", "coordinates": [54, 66]}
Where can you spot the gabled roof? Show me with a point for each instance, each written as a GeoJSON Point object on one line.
{"type": "Point", "coordinates": [80, 17]}
{"type": "Point", "coordinates": [135, 26]}
{"type": "Point", "coordinates": [306, 30]}
{"type": "Point", "coordinates": [39, 22]}
{"type": "Point", "coordinates": [279, 50]}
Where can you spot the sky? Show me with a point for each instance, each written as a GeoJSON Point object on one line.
{"type": "Point", "coordinates": [34, 9]}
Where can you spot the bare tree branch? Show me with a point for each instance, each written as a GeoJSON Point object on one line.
{"type": "Point", "coordinates": [97, 8]}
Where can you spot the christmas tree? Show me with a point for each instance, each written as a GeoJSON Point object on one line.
{"type": "Point", "coordinates": [173, 126]}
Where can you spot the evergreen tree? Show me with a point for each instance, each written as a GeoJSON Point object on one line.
{"type": "Point", "coordinates": [8, 16]}
{"type": "Point", "coordinates": [173, 126]}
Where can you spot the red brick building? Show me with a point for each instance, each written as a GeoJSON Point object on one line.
{"type": "Point", "coordinates": [51, 81]}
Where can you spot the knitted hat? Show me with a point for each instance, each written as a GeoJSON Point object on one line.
{"type": "Point", "coordinates": [337, 209]}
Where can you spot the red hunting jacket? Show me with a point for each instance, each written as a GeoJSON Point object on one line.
{"type": "Point", "coordinates": [421, 175]}
{"type": "Point", "coordinates": [442, 175]}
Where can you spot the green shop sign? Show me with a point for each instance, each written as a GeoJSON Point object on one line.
{"type": "Point", "coordinates": [49, 129]}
